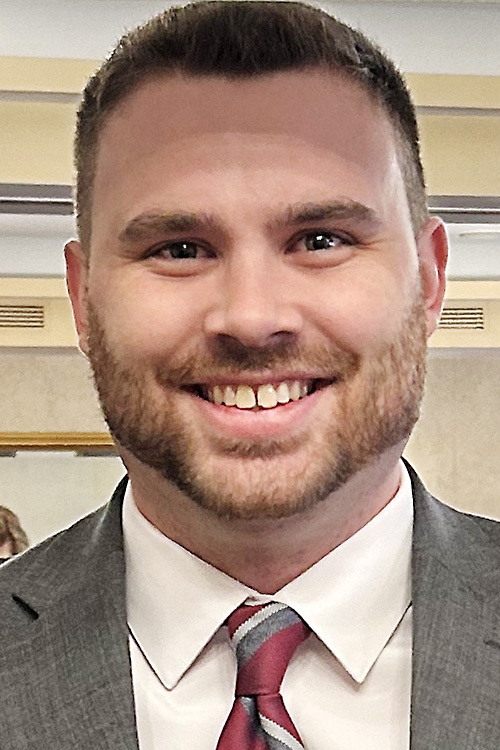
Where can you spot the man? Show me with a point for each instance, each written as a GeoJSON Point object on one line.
{"type": "Point", "coordinates": [254, 282]}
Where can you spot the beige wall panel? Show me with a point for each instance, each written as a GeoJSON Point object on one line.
{"type": "Point", "coordinates": [454, 91]}
{"type": "Point", "coordinates": [47, 391]}
{"type": "Point", "coordinates": [461, 154]}
{"type": "Point", "coordinates": [485, 338]}
{"type": "Point", "coordinates": [57, 331]}
{"type": "Point", "coordinates": [456, 445]}
{"type": "Point", "coordinates": [57, 75]}
{"type": "Point", "coordinates": [48, 293]}
{"type": "Point", "coordinates": [32, 287]}
{"type": "Point", "coordinates": [36, 142]}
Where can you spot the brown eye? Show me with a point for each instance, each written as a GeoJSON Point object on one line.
{"type": "Point", "coordinates": [181, 250]}
{"type": "Point", "coordinates": [321, 241]}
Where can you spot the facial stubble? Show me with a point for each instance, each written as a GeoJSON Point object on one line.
{"type": "Point", "coordinates": [377, 402]}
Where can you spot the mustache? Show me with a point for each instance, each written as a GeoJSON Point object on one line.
{"type": "Point", "coordinates": [226, 357]}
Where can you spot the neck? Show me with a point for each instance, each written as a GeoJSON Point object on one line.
{"type": "Point", "coordinates": [266, 554]}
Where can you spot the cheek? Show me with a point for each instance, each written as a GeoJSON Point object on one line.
{"type": "Point", "coordinates": [361, 315]}
{"type": "Point", "coordinates": [148, 320]}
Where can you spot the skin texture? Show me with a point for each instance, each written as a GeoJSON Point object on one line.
{"type": "Point", "coordinates": [251, 232]}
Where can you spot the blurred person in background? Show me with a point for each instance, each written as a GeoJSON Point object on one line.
{"type": "Point", "coordinates": [13, 538]}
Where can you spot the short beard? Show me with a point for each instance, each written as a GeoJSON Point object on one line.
{"type": "Point", "coordinates": [376, 406]}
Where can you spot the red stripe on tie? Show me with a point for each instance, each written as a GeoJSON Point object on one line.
{"type": "Point", "coordinates": [239, 732]}
{"type": "Point", "coordinates": [264, 672]}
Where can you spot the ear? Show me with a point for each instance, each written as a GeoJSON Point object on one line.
{"type": "Point", "coordinates": [432, 245]}
{"type": "Point", "coordinates": [77, 285]}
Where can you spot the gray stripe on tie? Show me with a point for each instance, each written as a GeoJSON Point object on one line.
{"type": "Point", "coordinates": [256, 637]}
{"type": "Point", "coordinates": [250, 707]}
{"type": "Point", "coordinates": [275, 736]}
{"type": "Point", "coordinates": [274, 744]}
{"type": "Point", "coordinates": [255, 619]}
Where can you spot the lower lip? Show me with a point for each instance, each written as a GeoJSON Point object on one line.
{"type": "Point", "coordinates": [262, 424]}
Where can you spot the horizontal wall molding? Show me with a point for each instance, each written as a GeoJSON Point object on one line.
{"type": "Point", "coordinates": [460, 111]}
{"type": "Point", "coordinates": [32, 198]}
{"type": "Point", "coordinates": [466, 209]}
{"type": "Point", "coordinates": [67, 441]}
{"type": "Point", "coordinates": [44, 97]}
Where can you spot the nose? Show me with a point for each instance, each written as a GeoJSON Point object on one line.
{"type": "Point", "coordinates": [256, 303]}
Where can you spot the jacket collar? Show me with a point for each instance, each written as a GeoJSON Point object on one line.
{"type": "Point", "coordinates": [64, 613]}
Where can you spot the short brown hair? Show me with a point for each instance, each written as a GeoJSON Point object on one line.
{"type": "Point", "coordinates": [237, 39]}
{"type": "Point", "coordinates": [12, 531]}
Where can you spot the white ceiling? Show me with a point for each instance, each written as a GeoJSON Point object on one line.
{"type": "Point", "coordinates": [423, 37]}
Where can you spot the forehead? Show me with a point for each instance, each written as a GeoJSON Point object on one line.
{"type": "Point", "coordinates": [309, 85]}
{"type": "Point", "coordinates": [298, 124]}
{"type": "Point", "coordinates": [302, 103]}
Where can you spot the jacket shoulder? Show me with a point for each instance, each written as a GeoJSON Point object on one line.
{"type": "Point", "coordinates": [466, 544]}
{"type": "Point", "coordinates": [64, 561]}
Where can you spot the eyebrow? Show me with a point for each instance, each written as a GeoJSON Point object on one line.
{"type": "Point", "coordinates": [341, 210]}
{"type": "Point", "coordinates": [149, 225]}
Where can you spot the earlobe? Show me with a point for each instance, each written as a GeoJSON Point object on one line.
{"type": "Point", "coordinates": [76, 282]}
{"type": "Point", "coordinates": [432, 245]}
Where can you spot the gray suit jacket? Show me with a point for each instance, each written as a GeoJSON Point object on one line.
{"type": "Point", "coordinates": [65, 679]}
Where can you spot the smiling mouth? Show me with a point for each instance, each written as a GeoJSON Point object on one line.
{"type": "Point", "coordinates": [264, 396]}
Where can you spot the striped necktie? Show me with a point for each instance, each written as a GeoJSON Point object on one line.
{"type": "Point", "coordinates": [264, 638]}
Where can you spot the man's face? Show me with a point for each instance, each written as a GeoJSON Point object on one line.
{"type": "Point", "coordinates": [253, 307]}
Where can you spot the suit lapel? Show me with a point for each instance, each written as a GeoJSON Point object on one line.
{"type": "Point", "coordinates": [456, 644]}
{"type": "Point", "coordinates": [77, 648]}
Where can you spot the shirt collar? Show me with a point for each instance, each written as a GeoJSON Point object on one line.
{"type": "Point", "coordinates": [175, 601]}
{"type": "Point", "coordinates": [353, 599]}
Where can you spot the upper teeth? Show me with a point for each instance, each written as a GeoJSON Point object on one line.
{"type": "Point", "coordinates": [267, 395]}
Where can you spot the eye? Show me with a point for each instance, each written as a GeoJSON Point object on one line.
{"type": "Point", "coordinates": [322, 241]}
{"type": "Point", "coordinates": [181, 250]}
{"type": "Point", "coordinates": [180, 258]}
{"type": "Point", "coordinates": [321, 248]}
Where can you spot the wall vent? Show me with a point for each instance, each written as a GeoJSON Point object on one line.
{"type": "Point", "coordinates": [462, 318]}
{"type": "Point", "coordinates": [22, 316]}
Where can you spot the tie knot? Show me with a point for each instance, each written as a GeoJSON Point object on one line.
{"type": "Point", "coordinates": [264, 638]}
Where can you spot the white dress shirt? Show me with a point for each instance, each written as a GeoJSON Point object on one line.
{"type": "Point", "coordinates": [346, 688]}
